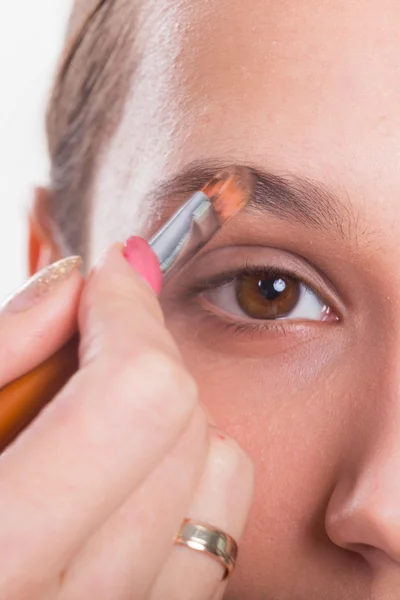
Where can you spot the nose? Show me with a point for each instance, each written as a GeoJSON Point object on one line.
{"type": "Point", "coordinates": [364, 511]}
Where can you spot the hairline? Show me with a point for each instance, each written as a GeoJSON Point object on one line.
{"type": "Point", "coordinates": [86, 107]}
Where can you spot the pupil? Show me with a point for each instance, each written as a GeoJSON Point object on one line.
{"type": "Point", "coordinates": [271, 289]}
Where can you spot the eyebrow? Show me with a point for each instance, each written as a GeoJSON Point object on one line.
{"type": "Point", "coordinates": [287, 197]}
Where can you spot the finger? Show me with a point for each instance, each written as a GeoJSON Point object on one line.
{"type": "Point", "coordinates": [223, 500]}
{"type": "Point", "coordinates": [117, 300]}
{"type": "Point", "coordinates": [39, 318]}
{"type": "Point", "coordinates": [109, 427]}
{"type": "Point", "coordinates": [122, 560]}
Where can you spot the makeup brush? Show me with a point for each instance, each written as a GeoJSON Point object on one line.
{"type": "Point", "coordinates": [189, 230]}
{"type": "Point", "coordinates": [193, 225]}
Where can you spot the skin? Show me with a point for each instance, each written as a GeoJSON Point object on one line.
{"type": "Point", "coordinates": [91, 482]}
{"type": "Point", "coordinates": [309, 90]}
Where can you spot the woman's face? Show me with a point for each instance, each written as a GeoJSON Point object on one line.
{"type": "Point", "coordinates": [309, 94]}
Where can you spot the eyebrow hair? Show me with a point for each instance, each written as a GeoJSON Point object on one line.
{"type": "Point", "coordinates": [287, 197]}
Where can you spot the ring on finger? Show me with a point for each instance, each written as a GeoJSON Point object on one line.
{"type": "Point", "coordinates": [217, 544]}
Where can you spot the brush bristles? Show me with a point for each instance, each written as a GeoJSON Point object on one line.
{"type": "Point", "coordinates": [230, 191]}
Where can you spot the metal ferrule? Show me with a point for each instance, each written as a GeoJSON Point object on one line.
{"type": "Point", "coordinates": [185, 233]}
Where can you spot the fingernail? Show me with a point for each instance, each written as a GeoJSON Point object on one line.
{"type": "Point", "coordinates": [42, 284]}
{"type": "Point", "coordinates": [141, 257]}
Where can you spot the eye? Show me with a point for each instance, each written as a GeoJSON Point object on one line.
{"type": "Point", "coordinates": [268, 296]}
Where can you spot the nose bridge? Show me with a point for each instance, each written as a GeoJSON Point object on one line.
{"type": "Point", "coordinates": [364, 510]}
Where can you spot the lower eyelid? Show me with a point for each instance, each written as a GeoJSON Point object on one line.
{"type": "Point", "coordinates": [280, 335]}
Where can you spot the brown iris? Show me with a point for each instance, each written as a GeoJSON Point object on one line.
{"type": "Point", "coordinates": [267, 297]}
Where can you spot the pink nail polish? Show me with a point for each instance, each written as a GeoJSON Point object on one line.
{"type": "Point", "coordinates": [141, 257]}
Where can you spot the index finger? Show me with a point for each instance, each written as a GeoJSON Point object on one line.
{"type": "Point", "coordinates": [104, 434]}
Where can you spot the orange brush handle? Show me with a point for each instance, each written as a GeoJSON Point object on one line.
{"type": "Point", "coordinates": [23, 399]}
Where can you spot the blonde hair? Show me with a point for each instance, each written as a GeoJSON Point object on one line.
{"type": "Point", "coordinates": [85, 107]}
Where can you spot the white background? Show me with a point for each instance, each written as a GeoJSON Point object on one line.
{"type": "Point", "coordinates": [31, 37]}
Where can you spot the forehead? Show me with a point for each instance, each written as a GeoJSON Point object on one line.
{"type": "Point", "coordinates": [310, 88]}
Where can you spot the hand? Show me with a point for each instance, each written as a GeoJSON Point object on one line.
{"type": "Point", "coordinates": [94, 491]}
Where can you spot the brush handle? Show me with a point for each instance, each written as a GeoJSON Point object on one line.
{"type": "Point", "coordinates": [23, 399]}
{"type": "Point", "coordinates": [168, 242]}
{"type": "Point", "coordinates": [192, 226]}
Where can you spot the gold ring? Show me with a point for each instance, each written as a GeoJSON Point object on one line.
{"type": "Point", "coordinates": [215, 543]}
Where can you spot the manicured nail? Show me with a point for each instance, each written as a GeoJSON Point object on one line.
{"type": "Point", "coordinates": [141, 257]}
{"type": "Point", "coordinates": [42, 284]}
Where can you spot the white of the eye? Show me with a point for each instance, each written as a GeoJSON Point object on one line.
{"type": "Point", "coordinates": [309, 305]}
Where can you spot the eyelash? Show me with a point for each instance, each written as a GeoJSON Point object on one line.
{"type": "Point", "coordinates": [250, 330]}
{"type": "Point", "coordinates": [227, 277]}
{"type": "Point", "coordinates": [256, 328]}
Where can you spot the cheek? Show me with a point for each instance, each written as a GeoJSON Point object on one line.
{"type": "Point", "coordinates": [288, 413]}
{"type": "Point", "coordinates": [290, 435]}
